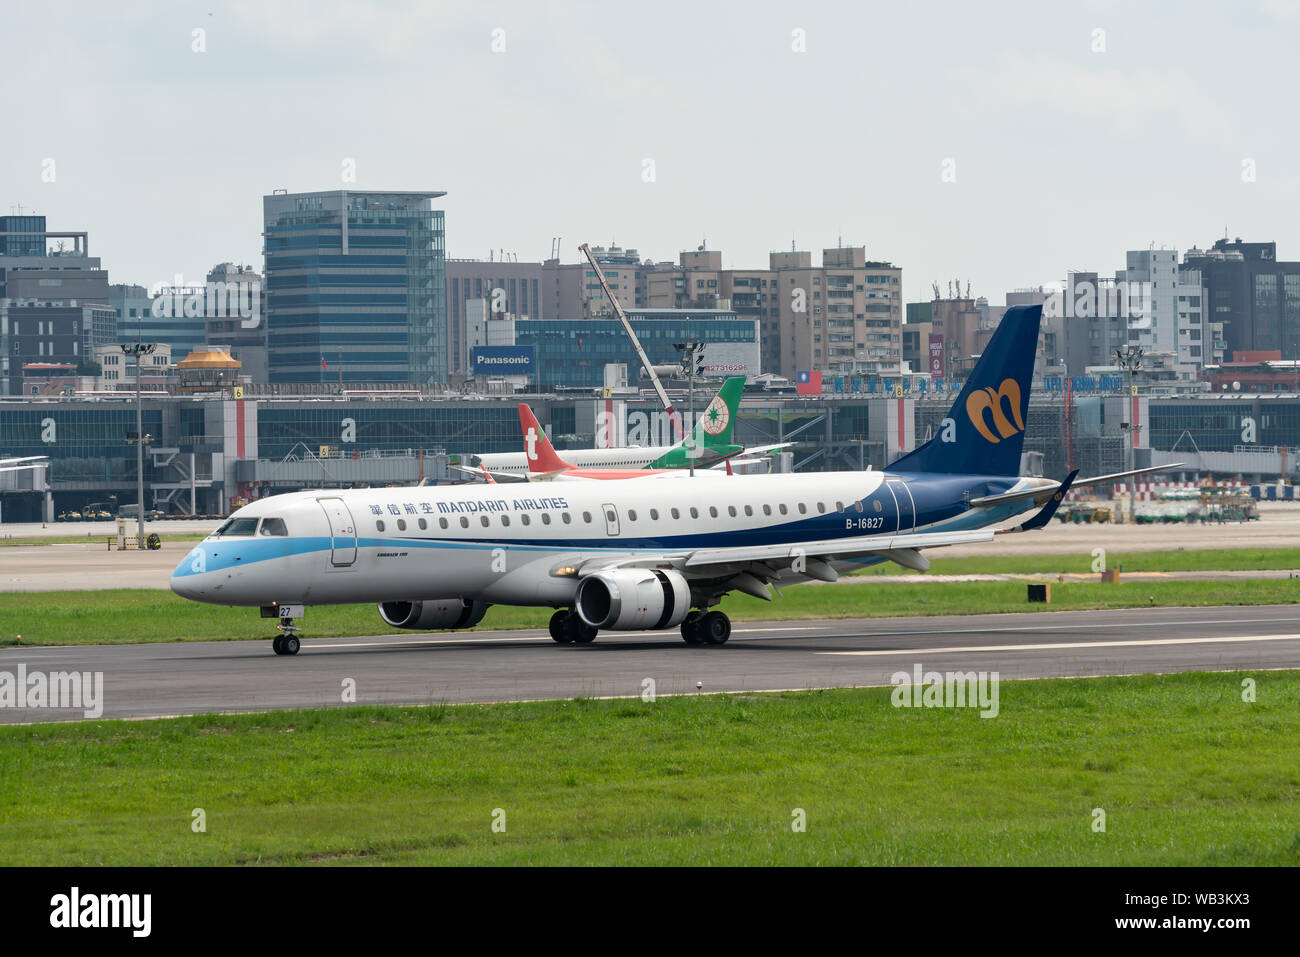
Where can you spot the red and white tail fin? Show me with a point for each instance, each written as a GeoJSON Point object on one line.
{"type": "Point", "coordinates": [537, 447]}
{"type": "Point", "coordinates": [487, 476]}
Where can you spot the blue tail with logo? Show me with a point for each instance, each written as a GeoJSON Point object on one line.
{"type": "Point", "coordinates": [985, 428]}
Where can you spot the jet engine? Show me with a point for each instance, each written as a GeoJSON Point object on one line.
{"type": "Point", "coordinates": [430, 615]}
{"type": "Point", "coordinates": [633, 599]}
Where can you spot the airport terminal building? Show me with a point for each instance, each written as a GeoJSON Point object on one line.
{"type": "Point", "coordinates": [208, 453]}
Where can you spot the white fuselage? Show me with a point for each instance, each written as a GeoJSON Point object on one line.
{"type": "Point", "coordinates": [516, 463]}
{"type": "Point", "coordinates": [499, 544]}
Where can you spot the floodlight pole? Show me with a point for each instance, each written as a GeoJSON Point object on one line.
{"type": "Point", "coordinates": [1130, 361]}
{"type": "Point", "coordinates": [139, 350]}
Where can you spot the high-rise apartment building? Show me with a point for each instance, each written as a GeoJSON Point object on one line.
{"type": "Point", "coordinates": [845, 315]}
{"type": "Point", "coordinates": [1255, 297]}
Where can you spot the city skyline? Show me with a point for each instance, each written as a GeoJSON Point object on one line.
{"type": "Point", "coordinates": [1067, 149]}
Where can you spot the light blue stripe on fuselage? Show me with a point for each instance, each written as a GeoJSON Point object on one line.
{"type": "Point", "coordinates": [223, 554]}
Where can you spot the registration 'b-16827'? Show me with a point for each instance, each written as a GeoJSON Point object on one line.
{"type": "Point", "coordinates": [640, 554]}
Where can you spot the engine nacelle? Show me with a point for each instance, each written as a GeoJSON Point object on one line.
{"type": "Point", "coordinates": [433, 614]}
{"type": "Point", "coordinates": [633, 599]}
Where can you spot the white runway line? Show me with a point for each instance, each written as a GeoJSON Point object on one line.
{"type": "Point", "coordinates": [1062, 646]}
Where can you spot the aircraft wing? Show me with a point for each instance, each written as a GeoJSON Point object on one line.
{"type": "Point", "coordinates": [1043, 492]}
{"type": "Point", "coordinates": [765, 449]}
{"type": "Point", "coordinates": [479, 474]}
{"type": "Point", "coordinates": [22, 468]}
{"type": "Point", "coordinates": [810, 557]}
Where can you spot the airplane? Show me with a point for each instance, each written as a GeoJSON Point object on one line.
{"type": "Point", "coordinates": [708, 443]}
{"type": "Point", "coordinates": [636, 555]}
{"type": "Point", "coordinates": [545, 464]}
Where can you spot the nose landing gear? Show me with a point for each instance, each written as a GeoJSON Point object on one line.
{"type": "Point", "coordinates": [287, 642]}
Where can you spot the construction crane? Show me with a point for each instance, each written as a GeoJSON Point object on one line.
{"type": "Point", "coordinates": [673, 415]}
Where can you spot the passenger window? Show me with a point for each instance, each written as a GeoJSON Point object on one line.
{"type": "Point", "coordinates": [783, 509]}
{"type": "Point", "coordinates": [274, 526]}
{"type": "Point", "coordinates": [676, 514]}
{"type": "Point", "coordinates": [839, 506]}
{"type": "Point", "coordinates": [695, 512]}
{"type": "Point", "coordinates": [749, 510]}
{"type": "Point", "coordinates": [713, 512]}
{"type": "Point", "coordinates": [803, 509]}
{"type": "Point", "coordinates": [566, 518]}
{"type": "Point", "coordinates": [631, 515]}
{"type": "Point", "coordinates": [423, 524]}
{"type": "Point", "coordinates": [654, 514]}
{"type": "Point", "coordinates": [731, 510]}
{"type": "Point", "coordinates": [442, 523]}
{"type": "Point", "coordinates": [546, 518]}
{"type": "Point", "coordinates": [586, 517]}
{"type": "Point", "coordinates": [860, 507]}
{"type": "Point", "coordinates": [484, 520]}
{"type": "Point", "coordinates": [401, 524]}
{"type": "Point", "coordinates": [525, 519]}
{"type": "Point", "coordinates": [505, 520]}
{"type": "Point", "coordinates": [821, 507]}
{"type": "Point", "coordinates": [379, 525]}
{"type": "Point", "coordinates": [767, 509]}
{"type": "Point", "coordinates": [464, 521]}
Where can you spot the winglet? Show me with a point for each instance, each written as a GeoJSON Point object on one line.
{"type": "Point", "coordinates": [1044, 514]}
{"type": "Point", "coordinates": [537, 447]}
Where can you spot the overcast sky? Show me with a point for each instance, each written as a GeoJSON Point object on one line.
{"type": "Point", "coordinates": [1063, 156]}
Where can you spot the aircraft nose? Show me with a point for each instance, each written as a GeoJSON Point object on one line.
{"type": "Point", "coordinates": [188, 578]}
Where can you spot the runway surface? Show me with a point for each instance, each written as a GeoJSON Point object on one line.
{"type": "Point", "coordinates": [157, 680]}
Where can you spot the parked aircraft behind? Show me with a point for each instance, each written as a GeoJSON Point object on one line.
{"type": "Point", "coordinates": [635, 555]}
{"type": "Point", "coordinates": [709, 443]}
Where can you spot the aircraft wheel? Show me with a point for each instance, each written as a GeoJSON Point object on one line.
{"type": "Point", "coordinates": [559, 632]}
{"type": "Point", "coordinates": [715, 628]}
{"type": "Point", "coordinates": [583, 633]}
{"type": "Point", "coordinates": [277, 644]}
{"type": "Point", "coordinates": [691, 629]}
{"type": "Point", "coordinates": [290, 645]}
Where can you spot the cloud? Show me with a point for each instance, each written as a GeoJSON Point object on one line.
{"type": "Point", "coordinates": [1126, 103]}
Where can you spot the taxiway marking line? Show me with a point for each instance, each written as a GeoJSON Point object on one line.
{"type": "Point", "coordinates": [1061, 646]}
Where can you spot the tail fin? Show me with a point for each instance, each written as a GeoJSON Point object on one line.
{"type": "Point", "coordinates": [537, 447]}
{"type": "Point", "coordinates": [714, 426]}
{"type": "Point", "coordinates": [985, 428]}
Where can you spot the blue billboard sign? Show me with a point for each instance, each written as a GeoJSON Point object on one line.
{"type": "Point", "coordinates": [502, 360]}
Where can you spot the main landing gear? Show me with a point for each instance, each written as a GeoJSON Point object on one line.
{"type": "Point", "coordinates": [568, 629]}
{"type": "Point", "coordinates": [706, 628]}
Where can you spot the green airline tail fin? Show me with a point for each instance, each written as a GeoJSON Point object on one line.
{"type": "Point", "coordinates": [713, 426]}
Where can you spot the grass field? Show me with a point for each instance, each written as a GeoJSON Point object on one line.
{"type": "Point", "coordinates": [124, 616]}
{"type": "Point", "coordinates": [1190, 560]}
{"type": "Point", "coordinates": [1185, 772]}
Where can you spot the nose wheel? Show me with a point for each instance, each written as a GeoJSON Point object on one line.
{"type": "Point", "coordinates": [287, 643]}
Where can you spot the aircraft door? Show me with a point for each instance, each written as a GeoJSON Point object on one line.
{"type": "Point", "coordinates": [343, 532]}
{"type": "Point", "coordinates": [611, 519]}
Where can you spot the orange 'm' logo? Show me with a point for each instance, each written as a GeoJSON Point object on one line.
{"type": "Point", "coordinates": [987, 399]}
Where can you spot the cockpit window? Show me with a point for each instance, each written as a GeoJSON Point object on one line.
{"type": "Point", "coordinates": [273, 526]}
{"type": "Point", "coordinates": [238, 526]}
